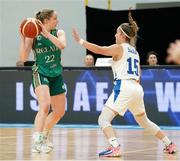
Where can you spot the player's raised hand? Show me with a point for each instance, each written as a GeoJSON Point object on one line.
{"type": "Point", "coordinates": [174, 52]}
{"type": "Point", "coordinates": [76, 35]}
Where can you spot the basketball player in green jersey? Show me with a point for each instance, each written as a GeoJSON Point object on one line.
{"type": "Point", "coordinates": [47, 76]}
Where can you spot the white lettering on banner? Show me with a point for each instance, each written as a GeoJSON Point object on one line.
{"type": "Point", "coordinates": [65, 86]}
{"type": "Point", "coordinates": [100, 95]}
{"type": "Point", "coordinates": [81, 98]}
{"type": "Point", "coordinates": [168, 97]}
{"type": "Point", "coordinates": [33, 103]}
{"type": "Point", "coordinates": [19, 96]}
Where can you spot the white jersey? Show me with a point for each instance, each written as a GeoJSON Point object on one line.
{"type": "Point", "coordinates": [128, 66]}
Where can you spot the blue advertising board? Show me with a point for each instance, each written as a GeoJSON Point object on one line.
{"type": "Point", "coordinates": [87, 91]}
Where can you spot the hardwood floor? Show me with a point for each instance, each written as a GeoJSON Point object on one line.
{"type": "Point", "coordinates": [84, 144]}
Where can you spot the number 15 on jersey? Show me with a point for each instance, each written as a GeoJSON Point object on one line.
{"type": "Point", "coordinates": [133, 66]}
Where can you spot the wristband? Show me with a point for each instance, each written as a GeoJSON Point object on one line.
{"type": "Point", "coordinates": [81, 41]}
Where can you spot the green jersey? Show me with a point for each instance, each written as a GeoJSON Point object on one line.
{"type": "Point", "coordinates": [47, 56]}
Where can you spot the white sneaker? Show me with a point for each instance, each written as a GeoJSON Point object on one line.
{"type": "Point", "coordinates": [46, 139]}
{"type": "Point", "coordinates": [41, 147]}
{"type": "Point", "coordinates": [49, 144]}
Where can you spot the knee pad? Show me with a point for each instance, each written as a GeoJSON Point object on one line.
{"type": "Point", "coordinates": [105, 118]}
{"type": "Point", "coordinates": [147, 124]}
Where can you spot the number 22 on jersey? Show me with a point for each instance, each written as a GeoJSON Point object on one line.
{"type": "Point", "coordinates": [50, 58]}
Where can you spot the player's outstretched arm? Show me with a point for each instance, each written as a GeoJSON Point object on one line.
{"type": "Point", "coordinates": [112, 50]}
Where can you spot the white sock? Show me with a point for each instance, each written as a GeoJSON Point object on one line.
{"type": "Point", "coordinates": [166, 141]}
{"type": "Point", "coordinates": [38, 137]}
{"type": "Point", "coordinates": [113, 141]}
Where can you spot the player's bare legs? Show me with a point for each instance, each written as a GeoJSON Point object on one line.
{"type": "Point", "coordinates": [147, 124]}
{"type": "Point", "coordinates": [104, 121]}
{"type": "Point", "coordinates": [58, 110]}
{"type": "Point", "coordinates": [43, 96]}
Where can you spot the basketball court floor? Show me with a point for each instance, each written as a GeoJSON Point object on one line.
{"type": "Point", "coordinates": [84, 143]}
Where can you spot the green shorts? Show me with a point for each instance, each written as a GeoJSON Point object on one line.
{"type": "Point", "coordinates": [55, 84]}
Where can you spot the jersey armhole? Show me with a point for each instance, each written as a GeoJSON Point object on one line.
{"type": "Point", "coordinates": [122, 52]}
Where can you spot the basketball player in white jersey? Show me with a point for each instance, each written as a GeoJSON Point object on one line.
{"type": "Point", "coordinates": [127, 92]}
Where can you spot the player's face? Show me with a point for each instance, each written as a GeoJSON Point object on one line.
{"type": "Point", "coordinates": [53, 21]}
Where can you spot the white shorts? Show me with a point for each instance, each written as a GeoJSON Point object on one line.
{"type": "Point", "coordinates": [127, 94]}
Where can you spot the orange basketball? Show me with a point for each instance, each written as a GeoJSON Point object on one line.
{"type": "Point", "coordinates": [30, 28]}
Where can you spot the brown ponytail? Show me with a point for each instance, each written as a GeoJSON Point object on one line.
{"type": "Point", "coordinates": [134, 27]}
{"type": "Point", "coordinates": [130, 29]}
{"type": "Point", "coordinates": [44, 14]}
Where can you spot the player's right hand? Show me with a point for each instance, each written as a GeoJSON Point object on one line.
{"type": "Point", "coordinates": [19, 63]}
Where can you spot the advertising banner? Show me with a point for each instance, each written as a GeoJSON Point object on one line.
{"type": "Point", "coordinates": [87, 91]}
